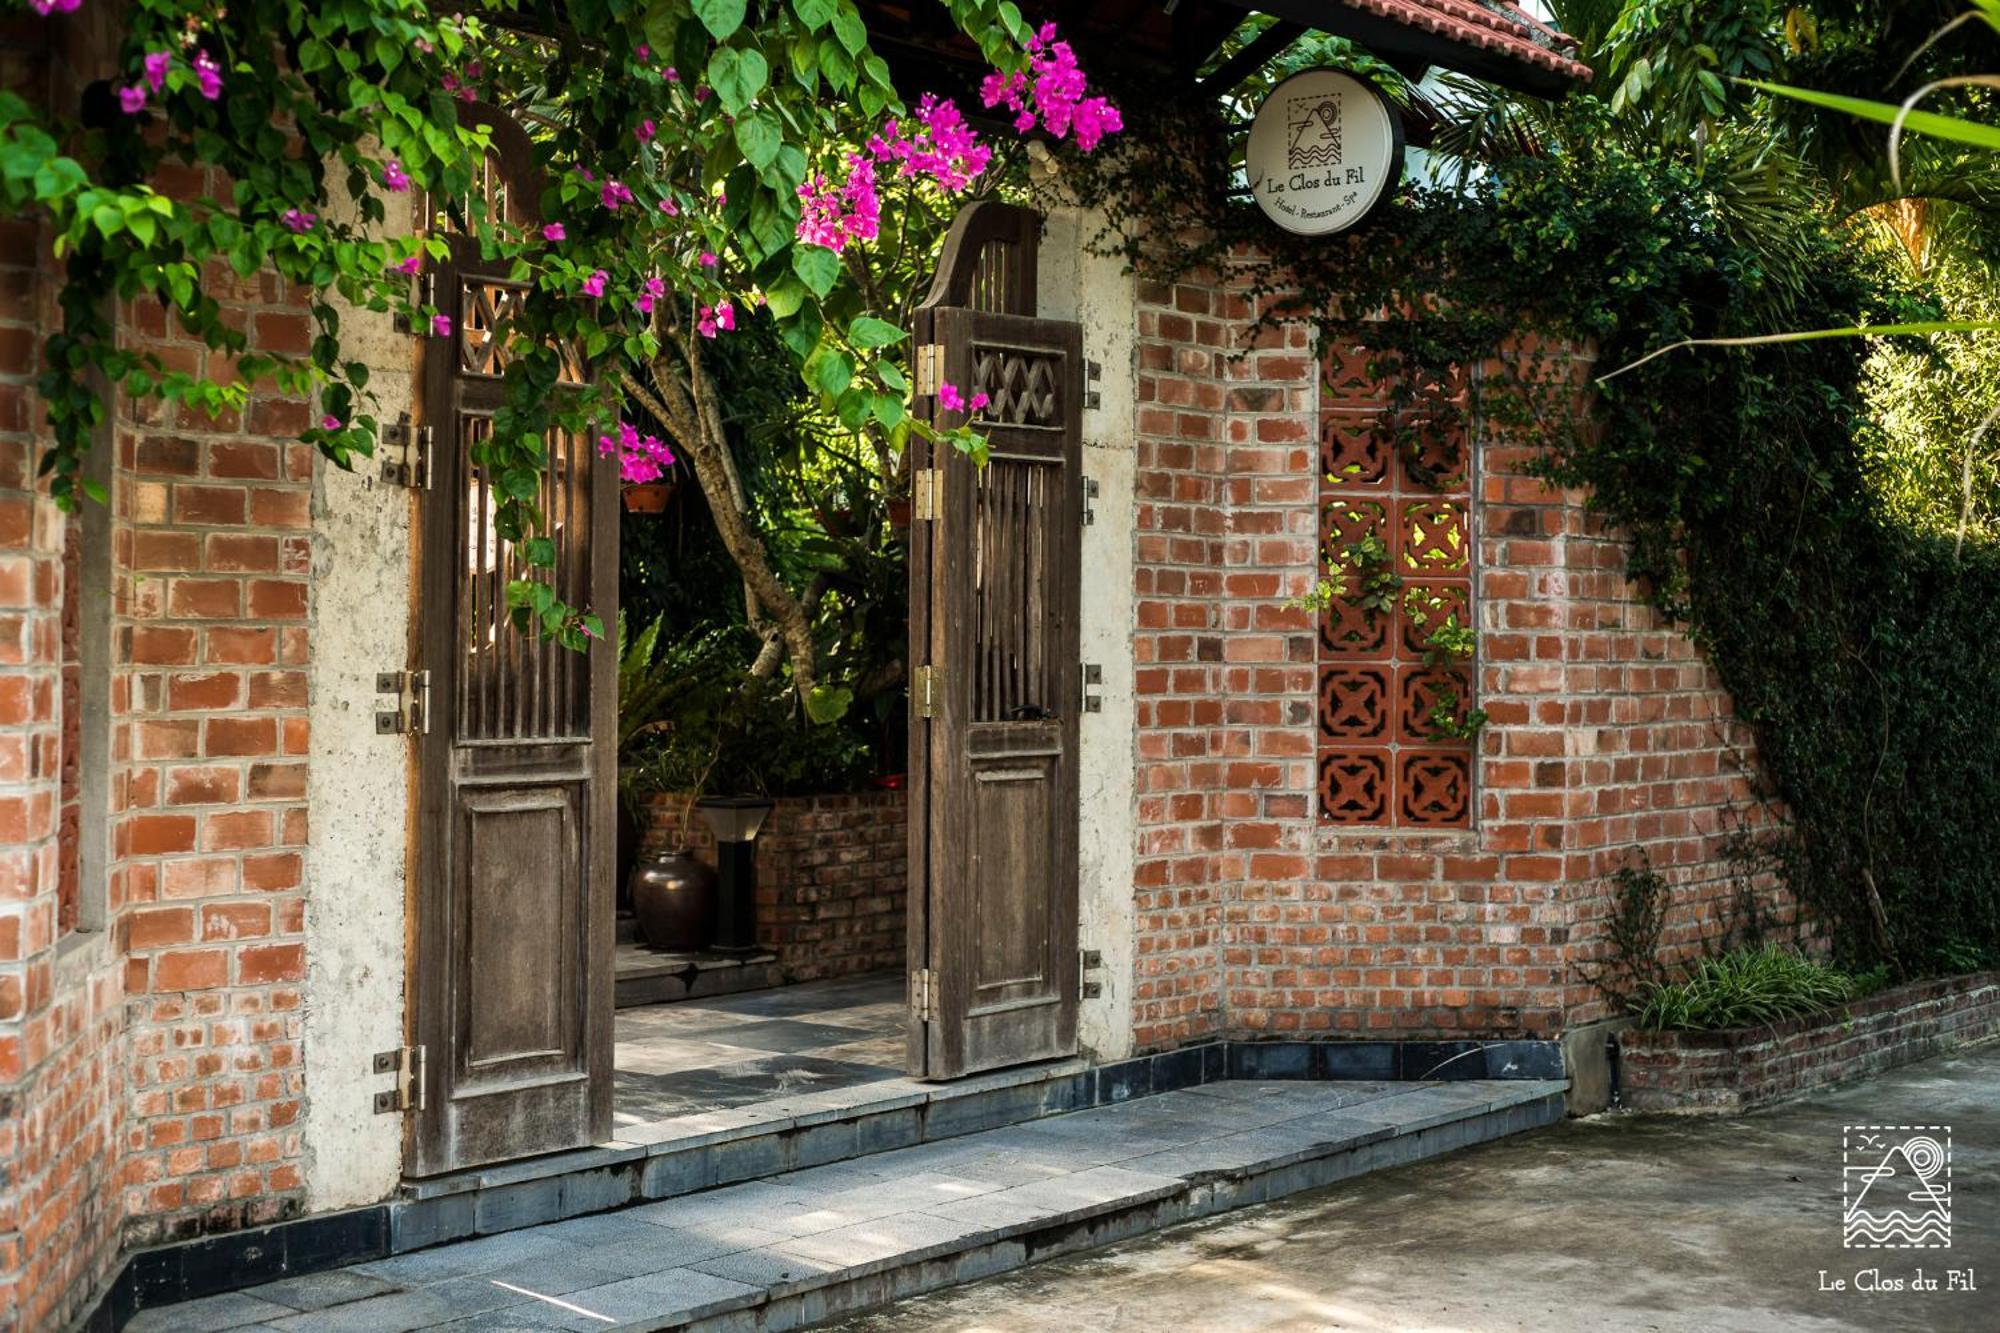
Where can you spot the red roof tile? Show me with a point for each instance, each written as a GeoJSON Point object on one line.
{"type": "Point", "coordinates": [1498, 27]}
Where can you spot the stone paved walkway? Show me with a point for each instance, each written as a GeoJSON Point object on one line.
{"type": "Point", "coordinates": [738, 1050]}
{"type": "Point", "coordinates": [796, 1248]}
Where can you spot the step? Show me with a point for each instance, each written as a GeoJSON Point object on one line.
{"type": "Point", "coordinates": [644, 975]}
{"type": "Point", "coordinates": [807, 1245]}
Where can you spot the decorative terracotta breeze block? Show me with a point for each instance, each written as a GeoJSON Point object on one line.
{"type": "Point", "coordinates": [1406, 484]}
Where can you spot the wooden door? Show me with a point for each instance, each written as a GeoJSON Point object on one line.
{"type": "Point", "coordinates": [513, 972]}
{"type": "Point", "coordinates": [994, 619]}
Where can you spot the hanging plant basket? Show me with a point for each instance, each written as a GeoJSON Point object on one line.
{"type": "Point", "coordinates": [650, 498]}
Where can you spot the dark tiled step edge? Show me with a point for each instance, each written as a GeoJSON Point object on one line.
{"type": "Point", "coordinates": [590, 1180]}
{"type": "Point", "coordinates": [986, 1253]}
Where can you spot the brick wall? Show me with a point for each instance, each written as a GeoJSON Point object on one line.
{"type": "Point", "coordinates": [1608, 735]}
{"type": "Point", "coordinates": [832, 877]}
{"type": "Point", "coordinates": [149, 1067]}
{"type": "Point", "coordinates": [1746, 1067]}
{"type": "Point", "coordinates": [210, 742]}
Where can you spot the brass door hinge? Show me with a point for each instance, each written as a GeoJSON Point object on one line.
{"type": "Point", "coordinates": [926, 484]}
{"type": "Point", "coordinates": [923, 690]}
{"type": "Point", "coordinates": [930, 369]}
{"type": "Point", "coordinates": [924, 995]}
{"type": "Point", "coordinates": [412, 712]}
{"type": "Point", "coordinates": [407, 1064]}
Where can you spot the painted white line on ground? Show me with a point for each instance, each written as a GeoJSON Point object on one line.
{"type": "Point", "coordinates": [574, 1309]}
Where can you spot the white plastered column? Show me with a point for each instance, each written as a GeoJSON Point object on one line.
{"type": "Point", "coordinates": [358, 794]}
{"type": "Point", "coordinates": [1097, 292]}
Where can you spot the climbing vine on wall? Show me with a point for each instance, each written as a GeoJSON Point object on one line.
{"type": "Point", "coordinates": [1858, 649]}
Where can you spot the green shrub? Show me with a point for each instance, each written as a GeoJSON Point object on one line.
{"type": "Point", "coordinates": [1746, 988]}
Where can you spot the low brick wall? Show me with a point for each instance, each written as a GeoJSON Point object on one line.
{"type": "Point", "coordinates": [1745, 1067]}
{"type": "Point", "coordinates": [832, 877]}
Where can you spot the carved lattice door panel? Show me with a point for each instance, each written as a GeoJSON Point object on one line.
{"type": "Point", "coordinates": [995, 589]}
{"type": "Point", "coordinates": [512, 987]}
{"type": "Point", "coordinates": [1395, 523]}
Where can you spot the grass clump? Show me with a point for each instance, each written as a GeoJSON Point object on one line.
{"type": "Point", "coordinates": [1747, 987]}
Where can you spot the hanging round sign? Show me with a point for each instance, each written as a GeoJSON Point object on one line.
{"type": "Point", "coordinates": [1326, 150]}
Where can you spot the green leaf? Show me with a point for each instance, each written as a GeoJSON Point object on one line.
{"type": "Point", "coordinates": [737, 77]}
{"type": "Point", "coordinates": [869, 332]}
{"type": "Point", "coordinates": [759, 136]}
{"type": "Point", "coordinates": [851, 31]}
{"type": "Point", "coordinates": [829, 371]}
{"type": "Point", "coordinates": [720, 17]}
{"type": "Point", "coordinates": [892, 375]}
{"type": "Point", "coordinates": [817, 267]}
{"type": "Point", "coordinates": [1918, 122]}
{"type": "Point", "coordinates": [828, 703]}
{"type": "Point", "coordinates": [785, 297]}
{"type": "Point", "coordinates": [815, 13]}
{"type": "Point", "coordinates": [887, 409]}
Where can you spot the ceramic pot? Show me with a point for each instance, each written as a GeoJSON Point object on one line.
{"type": "Point", "coordinates": [673, 895]}
{"type": "Point", "coordinates": [648, 497]}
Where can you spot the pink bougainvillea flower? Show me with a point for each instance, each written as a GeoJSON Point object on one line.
{"type": "Point", "coordinates": [979, 400]}
{"type": "Point", "coordinates": [701, 93]}
{"type": "Point", "coordinates": [950, 399]}
{"type": "Point", "coordinates": [409, 267]}
{"type": "Point", "coordinates": [641, 458]}
{"type": "Point", "coordinates": [645, 52]}
{"type": "Point", "coordinates": [47, 7]}
{"type": "Point", "coordinates": [441, 325]}
{"type": "Point", "coordinates": [708, 259]}
{"type": "Point", "coordinates": [705, 322]}
{"type": "Point", "coordinates": [157, 63]}
{"type": "Point", "coordinates": [655, 289]}
{"type": "Point", "coordinates": [587, 174]}
{"type": "Point", "coordinates": [668, 207]}
{"type": "Point", "coordinates": [942, 148]}
{"type": "Point", "coordinates": [330, 422]}
{"type": "Point", "coordinates": [132, 100]}
{"type": "Point", "coordinates": [208, 74]}
{"type": "Point", "coordinates": [832, 217]}
{"type": "Point", "coordinates": [614, 193]}
{"type": "Point", "coordinates": [673, 75]}
{"type": "Point", "coordinates": [594, 284]}
{"type": "Point", "coordinates": [299, 220]}
{"type": "Point", "coordinates": [394, 178]}
{"type": "Point", "coordinates": [645, 132]}
{"type": "Point", "coordinates": [554, 232]}
{"type": "Point", "coordinates": [725, 316]}
{"type": "Point", "coordinates": [1054, 96]}
{"type": "Point", "coordinates": [476, 70]}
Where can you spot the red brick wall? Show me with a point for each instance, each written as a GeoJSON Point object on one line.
{"type": "Point", "coordinates": [212, 561]}
{"type": "Point", "coordinates": [61, 1067]}
{"type": "Point", "coordinates": [1608, 735]}
{"type": "Point", "coordinates": [1746, 1067]}
{"type": "Point", "coordinates": [832, 877]}
{"type": "Point", "coordinates": [149, 1071]}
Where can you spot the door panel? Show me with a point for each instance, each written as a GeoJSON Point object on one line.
{"type": "Point", "coordinates": [512, 985]}
{"type": "Point", "coordinates": [996, 783]}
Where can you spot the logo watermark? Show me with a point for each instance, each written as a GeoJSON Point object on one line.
{"type": "Point", "coordinates": [1896, 1187]}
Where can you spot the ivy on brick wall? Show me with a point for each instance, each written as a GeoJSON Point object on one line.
{"type": "Point", "coordinates": [1860, 651]}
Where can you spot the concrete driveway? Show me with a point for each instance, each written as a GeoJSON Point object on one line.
{"type": "Point", "coordinates": [1617, 1222]}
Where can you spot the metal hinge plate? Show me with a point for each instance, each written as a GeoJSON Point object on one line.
{"type": "Point", "coordinates": [930, 369]}
{"type": "Point", "coordinates": [406, 454]}
{"type": "Point", "coordinates": [1089, 960]}
{"type": "Point", "coordinates": [1092, 399]}
{"type": "Point", "coordinates": [923, 690]}
{"type": "Point", "coordinates": [924, 995]}
{"type": "Point", "coordinates": [407, 1064]}
{"type": "Point", "coordinates": [412, 713]}
{"type": "Point", "coordinates": [1089, 494]}
{"type": "Point", "coordinates": [925, 484]}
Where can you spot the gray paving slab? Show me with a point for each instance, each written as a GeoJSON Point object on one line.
{"type": "Point", "coordinates": [210, 1314]}
{"type": "Point", "coordinates": [910, 1219]}
{"type": "Point", "coordinates": [318, 1291]}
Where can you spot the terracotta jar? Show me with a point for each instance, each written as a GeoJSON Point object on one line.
{"type": "Point", "coordinates": [673, 895]}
